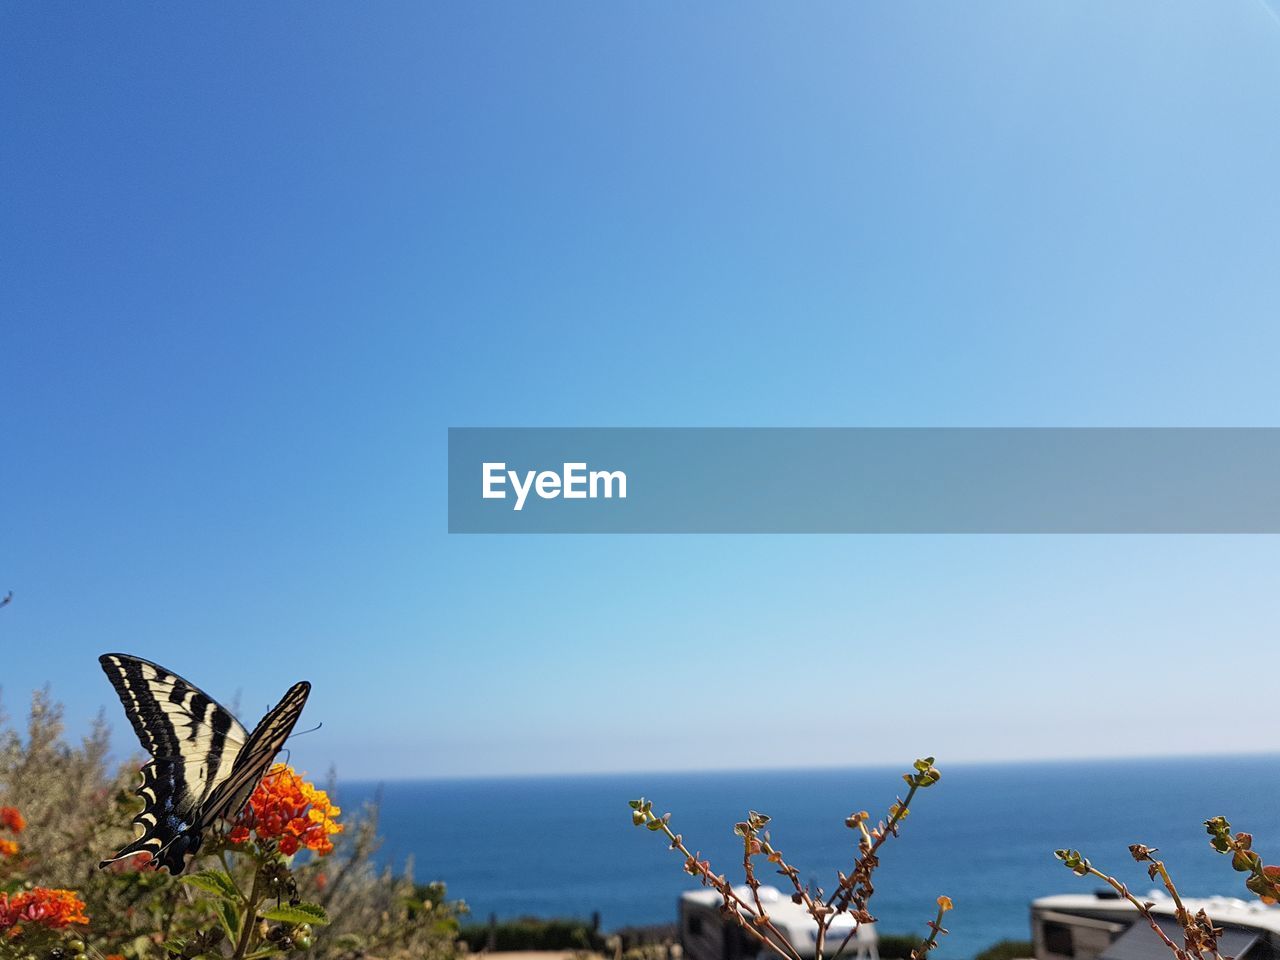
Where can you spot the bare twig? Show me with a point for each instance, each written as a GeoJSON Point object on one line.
{"type": "Point", "coordinates": [852, 892]}
{"type": "Point", "coordinates": [1199, 934]}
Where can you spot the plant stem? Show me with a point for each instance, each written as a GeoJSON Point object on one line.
{"type": "Point", "coordinates": [932, 941]}
{"type": "Point", "coordinates": [890, 829]}
{"type": "Point", "coordinates": [726, 891]}
{"type": "Point", "coordinates": [247, 921]}
{"type": "Point", "coordinates": [1143, 909]}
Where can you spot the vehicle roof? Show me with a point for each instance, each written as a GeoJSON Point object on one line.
{"type": "Point", "coordinates": [1245, 913]}
{"type": "Point", "coordinates": [780, 908]}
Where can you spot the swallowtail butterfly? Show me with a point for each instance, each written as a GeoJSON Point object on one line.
{"type": "Point", "coordinates": [204, 764]}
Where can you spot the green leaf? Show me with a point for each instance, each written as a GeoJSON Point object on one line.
{"type": "Point", "coordinates": [265, 952]}
{"type": "Point", "coordinates": [311, 913]}
{"type": "Point", "coordinates": [229, 917]}
{"type": "Point", "coordinates": [217, 882]}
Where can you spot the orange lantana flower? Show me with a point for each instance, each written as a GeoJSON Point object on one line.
{"type": "Point", "coordinates": [289, 811]}
{"type": "Point", "coordinates": [54, 909]}
{"type": "Point", "coordinates": [8, 848]}
{"type": "Point", "coordinates": [11, 819]}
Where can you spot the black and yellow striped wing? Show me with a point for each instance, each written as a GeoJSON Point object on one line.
{"type": "Point", "coordinates": [228, 796]}
{"type": "Point", "coordinates": [204, 764]}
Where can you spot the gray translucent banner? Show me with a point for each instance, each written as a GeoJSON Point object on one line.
{"type": "Point", "coordinates": [943, 480]}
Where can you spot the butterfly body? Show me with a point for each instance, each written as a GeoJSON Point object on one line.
{"type": "Point", "coordinates": [204, 764]}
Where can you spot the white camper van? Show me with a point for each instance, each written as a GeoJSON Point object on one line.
{"type": "Point", "coordinates": [1101, 926]}
{"type": "Point", "coordinates": [705, 935]}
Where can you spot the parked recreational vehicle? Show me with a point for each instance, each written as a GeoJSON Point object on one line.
{"type": "Point", "coordinates": [1102, 926]}
{"type": "Point", "coordinates": [705, 935]}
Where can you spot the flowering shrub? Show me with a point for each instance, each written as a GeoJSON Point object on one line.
{"type": "Point", "coordinates": [14, 822]}
{"type": "Point", "coordinates": [32, 918]}
{"type": "Point", "coordinates": [12, 819]}
{"type": "Point", "coordinates": [283, 811]}
{"type": "Point", "coordinates": [289, 877]}
{"type": "Point", "coordinates": [52, 909]}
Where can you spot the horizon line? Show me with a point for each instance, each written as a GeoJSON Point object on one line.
{"type": "Point", "coordinates": [813, 768]}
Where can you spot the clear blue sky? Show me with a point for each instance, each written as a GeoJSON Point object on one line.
{"type": "Point", "coordinates": [256, 260]}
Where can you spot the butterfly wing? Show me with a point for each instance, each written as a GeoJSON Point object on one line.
{"type": "Point", "coordinates": [194, 743]}
{"type": "Point", "coordinates": [229, 795]}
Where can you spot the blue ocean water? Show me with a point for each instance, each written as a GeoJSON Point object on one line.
{"type": "Point", "coordinates": [985, 836]}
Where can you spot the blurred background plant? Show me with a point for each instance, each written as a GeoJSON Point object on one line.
{"type": "Point", "coordinates": [1001, 950]}
{"type": "Point", "coordinates": [287, 879]}
{"type": "Point", "coordinates": [744, 907]}
{"type": "Point", "coordinates": [534, 933]}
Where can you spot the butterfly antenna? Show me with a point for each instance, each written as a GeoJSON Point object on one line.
{"type": "Point", "coordinates": [309, 730]}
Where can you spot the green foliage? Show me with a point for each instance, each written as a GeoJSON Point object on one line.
{"type": "Point", "coordinates": [216, 882]}
{"type": "Point", "coordinates": [897, 946]}
{"type": "Point", "coordinates": [1008, 950]}
{"type": "Point", "coordinates": [311, 913]}
{"type": "Point", "coordinates": [243, 901]}
{"type": "Point", "coordinates": [529, 933]}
